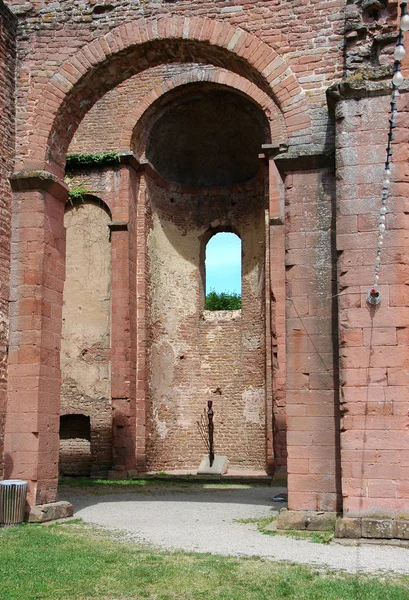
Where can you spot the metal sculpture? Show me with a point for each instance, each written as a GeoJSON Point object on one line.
{"type": "Point", "coordinates": [206, 430]}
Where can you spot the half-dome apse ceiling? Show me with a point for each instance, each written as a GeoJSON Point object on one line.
{"type": "Point", "coordinates": [208, 139]}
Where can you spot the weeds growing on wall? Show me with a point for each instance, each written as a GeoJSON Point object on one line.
{"type": "Point", "coordinates": [81, 161]}
{"type": "Point", "coordinates": [77, 190]}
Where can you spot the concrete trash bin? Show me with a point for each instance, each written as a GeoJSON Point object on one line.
{"type": "Point", "coordinates": [13, 493]}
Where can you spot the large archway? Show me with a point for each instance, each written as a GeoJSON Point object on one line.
{"type": "Point", "coordinates": [66, 99]}
{"type": "Point", "coordinates": [131, 48]}
{"type": "Point", "coordinates": [203, 145]}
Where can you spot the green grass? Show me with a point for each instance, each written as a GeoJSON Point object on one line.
{"type": "Point", "coordinates": [76, 562]}
{"type": "Point", "coordinates": [155, 484]}
{"type": "Point", "coordinates": [318, 537]}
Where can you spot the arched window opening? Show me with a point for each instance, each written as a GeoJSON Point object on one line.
{"type": "Point", "coordinates": [223, 272]}
{"type": "Point", "coordinates": [75, 446]}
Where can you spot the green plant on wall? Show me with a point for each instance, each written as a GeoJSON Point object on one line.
{"type": "Point", "coordinates": [84, 160]}
{"type": "Point", "coordinates": [77, 190]}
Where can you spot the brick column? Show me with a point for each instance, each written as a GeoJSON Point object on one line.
{"type": "Point", "coordinates": [8, 26]}
{"type": "Point", "coordinates": [142, 308]}
{"type": "Point", "coordinates": [34, 380]}
{"type": "Point", "coordinates": [123, 298]}
{"type": "Point", "coordinates": [277, 305]}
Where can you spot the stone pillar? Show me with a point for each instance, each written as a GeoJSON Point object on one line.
{"type": "Point", "coordinates": [123, 345]}
{"type": "Point", "coordinates": [8, 26]}
{"type": "Point", "coordinates": [34, 380]}
{"type": "Point", "coordinates": [277, 304]}
{"type": "Point", "coordinates": [374, 360]}
{"type": "Point", "coordinates": [143, 221]}
{"type": "Point", "coordinates": [311, 375]}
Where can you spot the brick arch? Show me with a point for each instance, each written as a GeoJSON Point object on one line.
{"type": "Point", "coordinates": [217, 76]}
{"type": "Point", "coordinates": [130, 48]}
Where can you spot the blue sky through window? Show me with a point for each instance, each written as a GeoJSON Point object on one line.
{"type": "Point", "coordinates": [223, 263]}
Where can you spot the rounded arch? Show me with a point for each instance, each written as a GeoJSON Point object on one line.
{"type": "Point", "coordinates": [180, 136]}
{"type": "Point", "coordinates": [129, 49]}
{"type": "Point", "coordinates": [88, 199]}
{"type": "Point", "coordinates": [217, 76]}
{"type": "Point", "coordinates": [222, 258]}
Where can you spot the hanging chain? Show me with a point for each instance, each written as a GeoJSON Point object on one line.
{"type": "Point", "coordinates": [374, 296]}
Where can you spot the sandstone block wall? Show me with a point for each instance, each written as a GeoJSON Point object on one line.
{"type": "Point", "coordinates": [98, 78]}
{"type": "Point", "coordinates": [311, 317]}
{"type": "Point", "coordinates": [311, 41]}
{"type": "Point", "coordinates": [7, 140]}
{"type": "Point", "coordinates": [373, 341]}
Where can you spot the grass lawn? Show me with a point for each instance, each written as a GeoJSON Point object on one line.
{"type": "Point", "coordinates": [87, 485]}
{"type": "Point", "coordinates": [75, 562]}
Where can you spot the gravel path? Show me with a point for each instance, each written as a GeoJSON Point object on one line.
{"type": "Point", "coordinates": [204, 520]}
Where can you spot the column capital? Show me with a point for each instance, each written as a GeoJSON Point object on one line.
{"type": "Point", "coordinates": [25, 181]}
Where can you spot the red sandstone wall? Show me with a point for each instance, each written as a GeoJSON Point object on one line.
{"type": "Point", "coordinates": [374, 342]}
{"type": "Point", "coordinates": [101, 129]}
{"type": "Point", "coordinates": [7, 65]}
{"type": "Point", "coordinates": [311, 398]}
{"type": "Point", "coordinates": [308, 36]}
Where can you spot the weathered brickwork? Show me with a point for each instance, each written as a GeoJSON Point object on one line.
{"type": "Point", "coordinates": [7, 66]}
{"type": "Point", "coordinates": [192, 95]}
{"type": "Point", "coordinates": [85, 344]}
{"type": "Point", "coordinates": [102, 128]}
{"type": "Point", "coordinates": [370, 36]}
{"type": "Point", "coordinates": [195, 355]}
{"type": "Point", "coordinates": [311, 43]}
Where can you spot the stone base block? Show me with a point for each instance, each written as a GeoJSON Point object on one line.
{"type": "Point", "coordinates": [402, 529]}
{"type": "Point", "coordinates": [377, 528]}
{"type": "Point", "coordinates": [117, 475]}
{"type": "Point", "coordinates": [372, 528]}
{"type": "Point", "coordinates": [50, 512]}
{"type": "Point", "coordinates": [219, 466]}
{"type": "Point", "coordinates": [348, 528]}
{"type": "Point", "coordinates": [306, 520]}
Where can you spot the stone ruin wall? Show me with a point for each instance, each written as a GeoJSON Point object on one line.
{"type": "Point", "coordinates": [57, 29]}
{"type": "Point", "coordinates": [310, 41]}
{"type": "Point", "coordinates": [7, 66]}
{"type": "Point", "coordinates": [370, 37]}
{"type": "Point", "coordinates": [85, 345]}
{"type": "Point", "coordinates": [303, 40]}
{"type": "Point", "coordinates": [197, 355]}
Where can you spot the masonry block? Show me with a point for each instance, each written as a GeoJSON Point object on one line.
{"type": "Point", "coordinates": [377, 528]}
{"type": "Point", "coordinates": [401, 529]}
{"type": "Point", "coordinates": [348, 528]}
{"type": "Point", "coordinates": [306, 520]}
{"type": "Point", "coordinates": [41, 513]}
